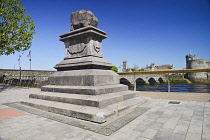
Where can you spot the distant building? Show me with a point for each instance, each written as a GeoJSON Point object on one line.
{"type": "Point", "coordinates": [153, 67]}
{"type": "Point", "coordinates": [125, 66]}
{"type": "Point", "coordinates": [193, 63]}
{"type": "Point", "coordinates": [126, 69]}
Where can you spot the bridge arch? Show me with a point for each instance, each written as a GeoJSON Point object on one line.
{"type": "Point", "coordinates": [152, 81]}
{"type": "Point", "coordinates": [125, 81]}
{"type": "Point", "coordinates": [160, 80]}
{"type": "Point", "coordinates": [140, 81]}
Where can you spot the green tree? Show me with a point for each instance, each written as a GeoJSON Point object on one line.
{"type": "Point", "coordinates": [115, 69]}
{"type": "Point", "coordinates": [133, 69]}
{"type": "Point", "coordinates": [170, 67]}
{"type": "Point", "coordinates": [16, 28]}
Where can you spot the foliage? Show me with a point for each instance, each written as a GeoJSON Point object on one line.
{"type": "Point", "coordinates": [169, 77]}
{"type": "Point", "coordinates": [115, 69]}
{"type": "Point", "coordinates": [16, 28]}
{"type": "Point", "coordinates": [170, 67]}
{"type": "Point", "coordinates": [175, 78]}
{"type": "Point", "coordinates": [133, 69]}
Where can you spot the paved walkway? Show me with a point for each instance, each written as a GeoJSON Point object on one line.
{"type": "Point", "coordinates": [203, 97]}
{"type": "Point", "coordinates": [189, 120]}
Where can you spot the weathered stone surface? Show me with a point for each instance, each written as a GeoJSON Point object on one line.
{"type": "Point", "coordinates": [89, 62]}
{"type": "Point", "coordinates": [86, 41]}
{"type": "Point", "coordinates": [100, 101]}
{"type": "Point", "coordinates": [86, 77]}
{"type": "Point", "coordinates": [85, 90]}
{"type": "Point", "coordinates": [83, 18]}
{"type": "Point", "coordinates": [83, 50]}
{"type": "Point", "coordinates": [94, 114]}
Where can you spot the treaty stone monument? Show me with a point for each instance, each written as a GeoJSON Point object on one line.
{"type": "Point", "coordinates": [84, 87]}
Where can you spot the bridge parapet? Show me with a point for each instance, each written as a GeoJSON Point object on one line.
{"type": "Point", "coordinates": [142, 78]}
{"type": "Point", "coordinates": [154, 76]}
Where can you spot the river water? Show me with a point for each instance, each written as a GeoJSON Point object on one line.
{"type": "Point", "coordinates": [195, 88]}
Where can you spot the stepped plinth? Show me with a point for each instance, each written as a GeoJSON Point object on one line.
{"type": "Point", "coordinates": [84, 87]}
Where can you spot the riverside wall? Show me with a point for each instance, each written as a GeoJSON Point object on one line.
{"type": "Point", "coordinates": [30, 78]}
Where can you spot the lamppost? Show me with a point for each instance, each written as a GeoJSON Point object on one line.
{"type": "Point", "coordinates": [169, 87]}
{"type": "Point", "coordinates": [134, 83]}
{"type": "Point", "coordinates": [20, 68]}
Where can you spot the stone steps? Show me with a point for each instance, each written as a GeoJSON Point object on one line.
{"type": "Point", "coordinates": [87, 90]}
{"type": "Point", "coordinates": [100, 101]}
{"type": "Point", "coordinates": [88, 113]}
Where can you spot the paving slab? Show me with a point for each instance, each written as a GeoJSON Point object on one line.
{"type": "Point", "coordinates": [193, 136]}
{"type": "Point", "coordinates": [176, 136]}
{"type": "Point", "coordinates": [149, 133]}
{"type": "Point", "coordinates": [164, 133]}
{"type": "Point", "coordinates": [154, 124]}
{"type": "Point", "coordinates": [9, 113]}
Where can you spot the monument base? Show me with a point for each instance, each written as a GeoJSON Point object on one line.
{"type": "Point", "coordinates": [85, 77]}
{"type": "Point", "coordinates": [94, 108]}
{"type": "Point", "coordinates": [86, 90]}
{"type": "Point", "coordinates": [89, 94]}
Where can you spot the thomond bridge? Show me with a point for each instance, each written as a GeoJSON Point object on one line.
{"type": "Point", "coordinates": [151, 77]}
{"type": "Point", "coordinates": [142, 79]}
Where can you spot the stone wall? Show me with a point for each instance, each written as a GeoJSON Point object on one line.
{"type": "Point", "coordinates": [208, 64]}
{"type": "Point", "coordinates": [30, 78]}
{"type": "Point", "coordinates": [16, 72]}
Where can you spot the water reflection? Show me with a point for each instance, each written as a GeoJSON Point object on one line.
{"type": "Point", "coordinates": [204, 88]}
{"type": "Point", "coordinates": [198, 88]}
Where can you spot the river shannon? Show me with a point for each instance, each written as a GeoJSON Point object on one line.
{"type": "Point", "coordinates": [196, 88]}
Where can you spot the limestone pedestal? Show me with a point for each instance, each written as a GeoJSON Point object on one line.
{"type": "Point", "coordinates": [84, 87]}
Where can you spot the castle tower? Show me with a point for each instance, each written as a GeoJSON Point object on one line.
{"type": "Point", "coordinates": [193, 63]}
{"type": "Point", "coordinates": [189, 59]}
{"type": "Point", "coordinates": [125, 66]}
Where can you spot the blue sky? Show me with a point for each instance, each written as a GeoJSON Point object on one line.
{"type": "Point", "coordinates": [139, 31]}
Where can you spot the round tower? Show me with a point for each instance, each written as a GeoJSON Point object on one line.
{"type": "Point", "coordinates": [189, 59]}
{"type": "Point", "coordinates": [193, 63]}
